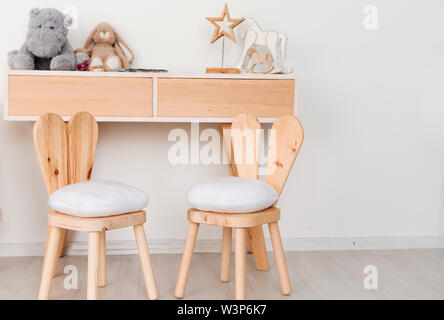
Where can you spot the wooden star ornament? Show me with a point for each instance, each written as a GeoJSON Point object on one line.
{"type": "Point", "coordinates": [234, 23]}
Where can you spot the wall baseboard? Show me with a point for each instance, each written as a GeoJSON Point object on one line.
{"type": "Point", "coordinates": [171, 246]}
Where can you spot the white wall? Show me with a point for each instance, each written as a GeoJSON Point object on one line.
{"type": "Point", "coordinates": [371, 103]}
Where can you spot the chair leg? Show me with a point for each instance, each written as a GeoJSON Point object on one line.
{"type": "Point", "coordinates": [145, 261]}
{"type": "Point", "coordinates": [239, 262]}
{"type": "Point", "coordinates": [50, 261]}
{"type": "Point", "coordinates": [279, 256]}
{"type": "Point", "coordinates": [226, 254]}
{"type": "Point", "coordinates": [186, 260]}
{"type": "Point", "coordinates": [249, 243]}
{"type": "Point", "coordinates": [93, 265]}
{"type": "Point", "coordinates": [102, 259]}
{"type": "Point", "coordinates": [259, 249]}
{"type": "Point", "coordinates": [62, 243]}
{"type": "Point", "coordinates": [60, 250]}
{"type": "Point", "coordinates": [48, 234]}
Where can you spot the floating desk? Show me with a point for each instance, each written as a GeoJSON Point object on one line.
{"type": "Point", "coordinates": [149, 97]}
{"type": "Point", "coordinates": [153, 97]}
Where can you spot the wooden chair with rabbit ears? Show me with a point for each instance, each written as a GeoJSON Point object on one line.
{"type": "Point", "coordinates": [284, 145]}
{"type": "Point", "coordinates": [65, 152]}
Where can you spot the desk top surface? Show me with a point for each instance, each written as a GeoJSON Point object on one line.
{"type": "Point", "coordinates": [155, 76]}
{"type": "Point", "coordinates": [152, 75]}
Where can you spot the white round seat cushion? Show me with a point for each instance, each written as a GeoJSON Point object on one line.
{"type": "Point", "coordinates": [98, 199]}
{"type": "Point", "coordinates": [232, 195]}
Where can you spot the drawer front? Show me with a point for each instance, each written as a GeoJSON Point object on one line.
{"type": "Point", "coordinates": [225, 97]}
{"type": "Point", "coordinates": [101, 96]}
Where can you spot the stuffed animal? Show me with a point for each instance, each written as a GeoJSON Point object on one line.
{"type": "Point", "coordinates": [46, 46]}
{"type": "Point", "coordinates": [106, 49]}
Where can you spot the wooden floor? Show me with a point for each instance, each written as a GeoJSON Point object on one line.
{"type": "Point", "coordinates": [403, 274]}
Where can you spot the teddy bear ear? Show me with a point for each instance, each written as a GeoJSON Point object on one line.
{"type": "Point", "coordinates": [67, 21]}
{"type": "Point", "coordinates": [34, 12]}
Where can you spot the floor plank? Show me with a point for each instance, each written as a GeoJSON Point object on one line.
{"type": "Point", "coordinates": [403, 274]}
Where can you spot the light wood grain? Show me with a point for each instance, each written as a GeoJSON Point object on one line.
{"type": "Point", "coordinates": [51, 145]}
{"type": "Point", "coordinates": [225, 254]}
{"type": "Point", "coordinates": [96, 224]}
{"type": "Point", "coordinates": [245, 141]}
{"type": "Point", "coordinates": [258, 248]}
{"type": "Point", "coordinates": [185, 264]}
{"type": "Point", "coordinates": [222, 70]}
{"type": "Point", "coordinates": [227, 31]}
{"type": "Point", "coordinates": [62, 243]}
{"type": "Point", "coordinates": [249, 245]}
{"type": "Point", "coordinates": [48, 233]}
{"type": "Point", "coordinates": [101, 96]}
{"type": "Point", "coordinates": [66, 155]}
{"type": "Point", "coordinates": [225, 132]}
{"type": "Point", "coordinates": [102, 260]}
{"type": "Point", "coordinates": [92, 292]}
{"type": "Point", "coordinates": [279, 256]}
{"type": "Point", "coordinates": [283, 150]}
{"type": "Point", "coordinates": [165, 75]}
{"type": "Point", "coordinates": [50, 263]}
{"type": "Point", "coordinates": [224, 97]}
{"type": "Point", "coordinates": [245, 146]}
{"type": "Point", "coordinates": [241, 220]}
{"type": "Point", "coordinates": [146, 119]}
{"type": "Point", "coordinates": [240, 263]}
{"type": "Point", "coordinates": [403, 274]}
{"type": "Point", "coordinates": [19, 104]}
{"type": "Point", "coordinates": [82, 132]}
{"type": "Point", "coordinates": [83, 135]}
{"type": "Point", "coordinates": [145, 261]}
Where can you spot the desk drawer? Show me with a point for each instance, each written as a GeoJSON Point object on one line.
{"type": "Point", "coordinates": [102, 96]}
{"type": "Point", "coordinates": [225, 97]}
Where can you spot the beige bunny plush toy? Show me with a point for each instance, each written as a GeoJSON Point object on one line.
{"type": "Point", "coordinates": [106, 49]}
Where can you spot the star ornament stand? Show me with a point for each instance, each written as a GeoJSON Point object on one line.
{"type": "Point", "coordinates": [224, 33]}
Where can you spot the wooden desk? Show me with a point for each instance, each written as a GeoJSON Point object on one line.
{"type": "Point", "coordinates": [154, 97]}
{"type": "Point", "coordinates": [149, 97]}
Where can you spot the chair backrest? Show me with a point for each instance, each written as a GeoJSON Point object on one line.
{"type": "Point", "coordinates": [284, 144]}
{"type": "Point", "coordinates": [65, 150]}
{"type": "Point", "coordinates": [283, 149]}
{"type": "Point", "coordinates": [245, 142]}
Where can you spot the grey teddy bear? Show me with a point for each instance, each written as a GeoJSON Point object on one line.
{"type": "Point", "coordinates": [46, 46]}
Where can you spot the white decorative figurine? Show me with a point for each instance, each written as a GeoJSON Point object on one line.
{"type": "Point", "coordinates": [275, 42]}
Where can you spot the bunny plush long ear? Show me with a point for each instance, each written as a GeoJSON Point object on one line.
{"type": "Point", "coordinates": [124, 49]}
{"type": "Point", "coordinates": [89, 43]}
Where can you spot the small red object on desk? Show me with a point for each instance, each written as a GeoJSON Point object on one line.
{"type": "Point", "coordinates": [83, 66]}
